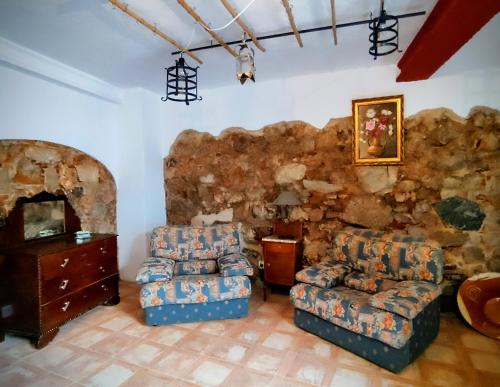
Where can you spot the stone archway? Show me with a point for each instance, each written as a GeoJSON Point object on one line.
{"type": "Point", "coordinates": [28, 167]}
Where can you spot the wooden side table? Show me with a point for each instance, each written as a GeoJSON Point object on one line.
{"type": "Point", "coordinates": [282, 259]}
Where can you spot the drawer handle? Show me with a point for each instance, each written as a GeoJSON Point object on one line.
{"type": "Point", "coordinates": [65, 306]}
{"type": "Point", "coordinates": [65, 262]}
{"type": "Point", "coordinates": [104, 251]}
{"type": "Point", "coordinates": [268, 264]}
{"type": "Point", "coordinates": [102, 269]}
{"type": "Point", "coordinates": [104, 287]}
{"type": "Point", "coordinates": [63, 285]}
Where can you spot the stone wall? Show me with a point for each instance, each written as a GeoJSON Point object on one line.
{"type": "Point", "coordinates": [448, 187]}
{"type": "Point", "coordinates": [28, 167]}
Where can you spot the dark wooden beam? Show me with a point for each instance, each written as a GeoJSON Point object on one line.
{"type": "Point", "coordinates": [450, 25]}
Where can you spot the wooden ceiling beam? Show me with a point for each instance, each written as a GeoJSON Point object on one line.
{"type": "Point", "coordinates": [214, 35]}
{"type": "Point", "coordinates": [450, 25]}
{"type": "Point", "coordinates": [243, 25]}
{"type": "Point", "coordinates": [334, 21]}
{"type": "Point", "coordinates": [153, 28]}
{"type": "Point", "coordinates": [288, 9]}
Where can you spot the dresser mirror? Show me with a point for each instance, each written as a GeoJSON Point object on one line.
{"type": "Point", "coordinates": [41, 216]}
{"type": "Point", "coordinates": [43, 219]}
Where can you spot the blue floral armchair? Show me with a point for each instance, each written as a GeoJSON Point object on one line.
{"type": "Point", "coordinates": [194, 274]}
{"type": "Point", "coordinates": [377, 296]}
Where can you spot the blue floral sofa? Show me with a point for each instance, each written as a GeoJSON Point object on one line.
{"type": "Point", "coordinates": [377, 296]}
{"type": "Point", "coordinates": [194, 274]}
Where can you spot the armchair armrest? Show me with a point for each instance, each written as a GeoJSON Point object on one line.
{"type": "Point", "coordinates": [233, 265]}
{"type": "Point", "coordinates": [155, 269]}
{"type": "Point", "coordinates": [326, 274]}
{"type": "Point", "coordinates": [407, 298]}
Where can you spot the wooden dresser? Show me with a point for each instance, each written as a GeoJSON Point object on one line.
{"type": "Point", "coordinates": [44, 283]}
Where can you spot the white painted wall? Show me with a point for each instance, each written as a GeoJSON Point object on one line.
{"type": "Point", "coordinates": [37, 108]}
{"type": "Point", "coordinates": [317, 98]}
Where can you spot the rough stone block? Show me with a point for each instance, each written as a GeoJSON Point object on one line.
{"type": "Point", "coordinates": [461, 213]}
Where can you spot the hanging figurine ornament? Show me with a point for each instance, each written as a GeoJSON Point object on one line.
{"type": "Point", "coordinates": [245, 62]}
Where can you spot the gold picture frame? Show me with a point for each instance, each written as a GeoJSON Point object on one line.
{"type": "Point", "coordinates": [378, 131]}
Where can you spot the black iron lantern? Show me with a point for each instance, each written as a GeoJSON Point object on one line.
{"type": "Point", "coordinates": [182, 82]}
{"type": "Point", "coordinates": [384, 34]}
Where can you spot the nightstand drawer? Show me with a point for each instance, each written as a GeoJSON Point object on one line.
{"type": "Point", "coordinates": [277, 247]}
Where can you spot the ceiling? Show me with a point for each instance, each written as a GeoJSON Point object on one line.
{"type": "Point", "coordinates": [95, 37]}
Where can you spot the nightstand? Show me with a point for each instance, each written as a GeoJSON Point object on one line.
{"type": "Point", "coordinates": [282, 258]}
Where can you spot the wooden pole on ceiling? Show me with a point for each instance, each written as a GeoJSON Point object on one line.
{"type": "Point", "coordinates": [197, 17]}
{"type": "Point", "coordinates": [442, 35]}
{"type": "Point", "coordinates": [153, 28]}
{"type": "Point", "coordinates": [334, 22]}
{"type": "Point", "coordinates": [286, 4]}
{"type": "Point", "coordinates": [243, 25]}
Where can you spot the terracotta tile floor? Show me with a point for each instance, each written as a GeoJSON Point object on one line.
{"type": "Point", "coordinates": [110, 346]}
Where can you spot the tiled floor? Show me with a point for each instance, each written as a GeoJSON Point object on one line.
{"type": "Point", "coordinates": [110, 346]}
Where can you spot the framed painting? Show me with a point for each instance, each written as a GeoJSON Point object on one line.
{"type": "Point", "coordinates": [378, 130]}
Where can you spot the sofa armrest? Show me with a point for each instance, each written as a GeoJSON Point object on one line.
{"type": "Point", "coordinates": [233, 265]}
{"type": "Point", "coordinates": [325, 274]}
{"type": "Point", "coordinates": [155, 269]}
{"type": "Point", "coordinates": [407, 298]}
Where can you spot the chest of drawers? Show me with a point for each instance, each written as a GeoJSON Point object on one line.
{"type": "Point", "coordinates": [48, 282]}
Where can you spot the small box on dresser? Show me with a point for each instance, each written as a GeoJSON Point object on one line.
{"type": "Point", "coordinates": [47, 282]}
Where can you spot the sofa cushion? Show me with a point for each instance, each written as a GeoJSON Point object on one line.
{"type": "Point", "coordinates": [234, 264]}
{"type": "Point", "coordinates": [406, 298]}
{"type": "Point", "coordinates": [353, 251]}
{"type": "Point", "coordinates": [368, 282]}
{"type": "Point", "coordinates": [195, 289]}
{"type": "Point", "coordinates": [385, 258]}
{"type": "Point", "coordinates": [182, 243]}
{"type": "Point", "coordinates": [351, 310]}
{"type": "Point", "coordinates": [422, 262]}
{"type": "Point", "coordinates": [390, 255]}
{"type": "Point", "coordinates": [206, 266]}
{"type": "Point", "coordinates": [325, 274]}
{"type": "Point", "coordinates": [394, 236]}
{"type": "Point", "coordinates": [155, 269]}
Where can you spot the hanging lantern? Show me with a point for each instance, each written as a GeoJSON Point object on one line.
{"type": "Point", "coordinates": [384, 35]}
{"type": "Point", "coordinates": [182, 82]}
{"type": "Point", "coordinates": [245, 62]}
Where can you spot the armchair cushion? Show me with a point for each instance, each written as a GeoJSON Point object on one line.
{"type": "Point", "coordinates": [206, 266]}
{"type": "Point", "coordinates": [234, 264]}
{"type": "Point", "coordinates": [195, 289]}
{"type": "Point", "coordinates": [184, 243]}
{"type": "Point", "coordinates": [367, 282]}
{"type": "Point", "coordinates": [406, 298]}
{"type": "Point", "coordinates": [325, 274]}
{"type": "Point", "coordinates": [155, 269]}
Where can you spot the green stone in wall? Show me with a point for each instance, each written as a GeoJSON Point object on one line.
{"type": "Point", "coordinates": [460, 213]}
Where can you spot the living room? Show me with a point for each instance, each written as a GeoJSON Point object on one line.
{"type": "Point", "coordinates": [82, 115]}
